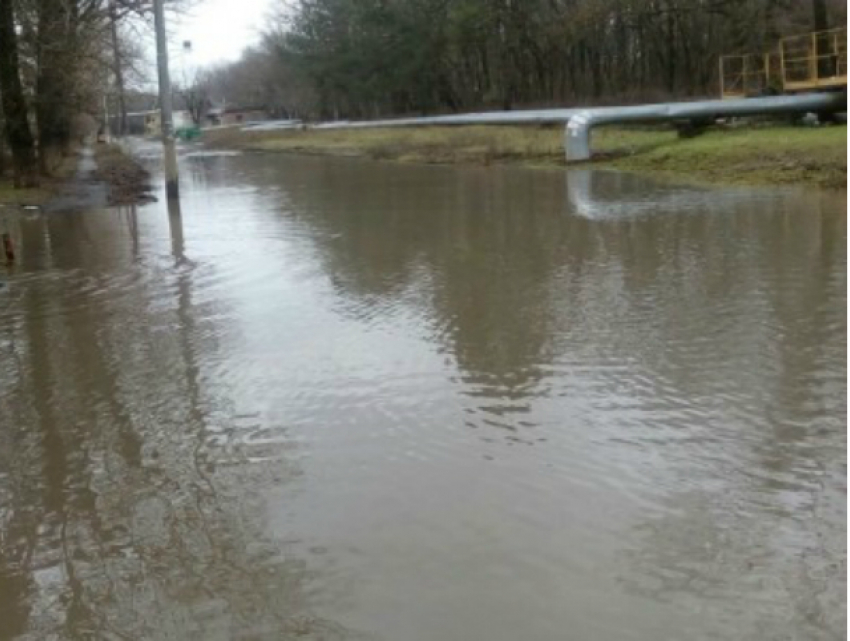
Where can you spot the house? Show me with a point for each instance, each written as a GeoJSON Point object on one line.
{"type": "Point", "coordinates": [153, 125]}
{"type": "Point", "coordinates": [137, 121]}
{"type": "Point", "coordinates": [223, 116]}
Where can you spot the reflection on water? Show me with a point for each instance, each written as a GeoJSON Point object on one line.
{"type": "Point", "coordinates": [424, 402]}
{"type": "Point", "coordinates": [617, 196]}
{"type": "Point", "coordinates": [130, 503]}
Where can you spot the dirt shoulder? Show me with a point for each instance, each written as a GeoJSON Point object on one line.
{"type": "Point", "coordinates": [766, 154]}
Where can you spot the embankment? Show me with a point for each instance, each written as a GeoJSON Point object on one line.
{"type": "Point", "coordinates": [763, 154]}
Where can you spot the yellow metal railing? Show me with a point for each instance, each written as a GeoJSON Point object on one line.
{"type": "Point", "coordinates": [814, 60]}
{"type": "Point", "coordinates": [806, 62]}
{"type": "Point", "coordinates": [746, 75]}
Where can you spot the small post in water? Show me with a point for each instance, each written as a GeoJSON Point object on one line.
{"type": "Point", "coordinates": [8, 248]}
{"type": "Point", "coordinates": [172, 184]}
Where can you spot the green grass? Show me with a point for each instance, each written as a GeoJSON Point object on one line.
{"type": "Point", "coordinates": [757, 154]}
{"type": "Point", "coordinates": [772, 155]}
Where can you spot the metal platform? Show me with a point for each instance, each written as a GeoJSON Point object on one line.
{"type": "Point", "coordinates": [809, 62]}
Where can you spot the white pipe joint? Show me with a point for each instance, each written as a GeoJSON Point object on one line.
{"type": "Point", "coordinates": [578, 129]}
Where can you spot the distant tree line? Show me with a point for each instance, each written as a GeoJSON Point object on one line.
{"type": "Point", "coordinates": [368, 58]}
{"type": "Point", "coordinates": [58, 60]}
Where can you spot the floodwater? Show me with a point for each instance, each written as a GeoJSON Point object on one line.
{"type": "Point", "coordinates": [338, 399]}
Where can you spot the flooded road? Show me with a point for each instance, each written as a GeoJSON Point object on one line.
{"type": "Point", "coordinates": [338, 399]}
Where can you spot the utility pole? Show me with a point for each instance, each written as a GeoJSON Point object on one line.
{"type": "Point", "coordinates": [172, 183]}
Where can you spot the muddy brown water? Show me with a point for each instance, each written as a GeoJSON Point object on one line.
{"type": "Point", "coordinates": [338, 399]}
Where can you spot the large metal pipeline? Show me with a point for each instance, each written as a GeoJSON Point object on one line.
{"type": "Point", "coordinates": [520, 117]}
{"type": "Point", "coordinates": [580, 121]}
{"type": "Point", "coordinates": [578, 129]}
{"type": "Point", "coordinates": [523, 116]}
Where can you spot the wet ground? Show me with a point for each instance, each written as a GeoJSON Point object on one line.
{"type": "Point", "coordinates": [338, 399]}
{"type": "Point", "coordinates": [82, 190]}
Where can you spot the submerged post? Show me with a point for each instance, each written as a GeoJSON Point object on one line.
{"type": "Point", "coordinates": [8, 248]}
{"type": "Point", "coordinates": [172, 184]}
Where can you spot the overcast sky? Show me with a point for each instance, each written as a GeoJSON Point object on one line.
{"type": "Point", "coordinates": [220, 29]}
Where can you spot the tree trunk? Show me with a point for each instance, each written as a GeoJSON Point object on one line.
{"type": "Point", "coordinates": [2, 145]}
{"type": "Point", "coordinates": [819, 13]}
{"type": "Point", "coordinates": [670, 63]}
{"type": "Point", "coordinates": [17, 127]}
{"type": "Point", "coordinates": [826, 66]}
{"type": "Point", "coordinates": [53, 83]}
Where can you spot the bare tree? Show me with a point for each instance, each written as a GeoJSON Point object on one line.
{"type": "Point", "coordinates": [362, 58]}
{"type": "Point", "coordinates": [194, 90]}
{"type": "Point", "coordinates": [820, 15]}
{"type": "Point", "coordinates": [15, 113]}
{"type": "Point", "coordinates": [57, 21]}
{"type": "Point", "coordinates": [117, 67]}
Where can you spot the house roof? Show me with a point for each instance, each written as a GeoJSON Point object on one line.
{"type": "Point", "coordinates": [230, 110]}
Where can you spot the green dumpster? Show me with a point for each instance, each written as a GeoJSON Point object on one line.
{"type": "Point", "coordinates": [187, 133]}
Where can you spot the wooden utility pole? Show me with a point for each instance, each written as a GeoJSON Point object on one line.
{"type": "Point", "coordinates": [172, 183]}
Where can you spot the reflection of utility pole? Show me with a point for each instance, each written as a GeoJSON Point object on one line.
{"type": "Point", "coordinates": [106, 123]}
{"type": "Point", "coordinates": [172, 184]}
{"type": "Point", "coordinates": [175, 227]}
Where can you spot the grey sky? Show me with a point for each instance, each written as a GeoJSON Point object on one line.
{"type": "Point", "coordinates": [220, 29]}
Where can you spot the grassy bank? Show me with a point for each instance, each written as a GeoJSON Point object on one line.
{"type": "Point", "coordinates": [763, 154]}
{"type": "Point", "coordinates": [11, 197]}
{"type": "Point", "coordinates": [48, 187]}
